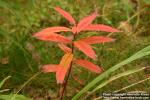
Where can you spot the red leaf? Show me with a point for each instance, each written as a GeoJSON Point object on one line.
{"type": "Point", "coordinates": [96, 39]}
{"type": "Point", "coordinates": [55, 29]}
{"type": "Point", "coordinates": [74, 29]}
{"type": "Point", "coordinates": [50, 68]}
{"type": "Point", "coordinates": [65, 14]}
{"type": "Point", "coordinates": [88, 65]}
{"type": "Point", "coordinates": [65, 65]}
{"type": "Point", "coordinates": [51, 37]}
{"type": "Point", "coordinates": [85, 48]}
{"type": "Point", "coordinates": [100, 27]}
{"type": "Point", "coordinates": [64, 48]}
{"type": "Point", "coordinates": [85, 22]}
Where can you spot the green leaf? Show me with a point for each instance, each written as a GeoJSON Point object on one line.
{"type": "Point", "coordinates": [140, 54]}
{"type": "Point", "coordinates": [17, 97]}
{"type": "Point", "coordinates": [116, 77]}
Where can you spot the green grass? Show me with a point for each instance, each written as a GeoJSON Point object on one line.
{"type": "Point", "coordinates": [21, 55]}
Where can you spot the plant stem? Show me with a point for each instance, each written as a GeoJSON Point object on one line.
{"type": "Point", "coordinates": [63, 86]}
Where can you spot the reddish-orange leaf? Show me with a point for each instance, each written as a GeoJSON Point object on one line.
{"type": "Point", "coordinates": [96, 39]}
{"type": "Point", "coordinates": [55, 29]}
{"type": "Point", "coordinates": [64, 48]}
{"type": "Point", "coordinates": [88, 65]}
{"type": "Point", "coordinates": [100, 27]}
{"type": "Point", "coordinates": [74, 29]}
{"type": "Point", "coordinates": [51, 37]}
{"type": "Point", "coordinates": [85, 48]}
{"type": "Point", "coordinates": [65, 14]}
{"type": "Point", "coordinates": [65, 65]}
{"type": "Point", "coordinates": [85, 22]}
{"type": "Point", "coordinates": [50, 68]}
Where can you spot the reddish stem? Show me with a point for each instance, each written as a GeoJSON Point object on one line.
{"type": "Point", "coordinates": [63, 86]}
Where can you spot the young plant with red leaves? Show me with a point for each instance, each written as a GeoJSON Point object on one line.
{"type": "Point", "coordinates": [65, 65]}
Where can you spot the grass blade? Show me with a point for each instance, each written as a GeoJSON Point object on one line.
{"type": "Point", "coordinates": [133, 84]}
{"type": "Point", "coordinates": [116, 77]}
{"type": "Point", "coordinates": [3, 81]}
{"type": "Point", "coordinates": [135, 56]}
{"type": "Point", "coordinates": [127, 86]}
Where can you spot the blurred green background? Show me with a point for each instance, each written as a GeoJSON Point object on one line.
{"type": "Point", "coordinates": [21, 55]}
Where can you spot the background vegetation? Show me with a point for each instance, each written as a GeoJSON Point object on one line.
{"type": "Point", "coordinates": [21, 55]}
